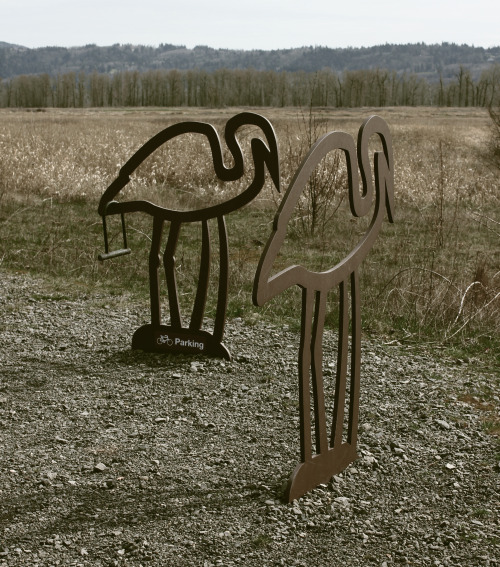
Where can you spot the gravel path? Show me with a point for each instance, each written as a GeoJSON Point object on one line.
{"type": "Point", "coordinates": [115, 457]}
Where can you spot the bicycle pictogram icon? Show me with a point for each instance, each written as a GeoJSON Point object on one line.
{"type": "Point", "coordinates": [164, 339]}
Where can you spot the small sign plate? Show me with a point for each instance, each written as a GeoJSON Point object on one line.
{"type": "Point", "coordinates": [164, 338]}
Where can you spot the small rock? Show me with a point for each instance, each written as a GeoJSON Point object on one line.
{"type": "Point", "coordinates": [342, 502]}
{"type": "Point", "coordinates": [100, 467]}
{"type": "Point", "coordinates": [370, 461]}
{"type": "Point", "coordinates": [443, 424]}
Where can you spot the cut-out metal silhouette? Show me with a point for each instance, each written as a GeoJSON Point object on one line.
{"type": "Point", "coordinates": [174, 337]}
{"type": "Point", "coordinates": [332, 452]}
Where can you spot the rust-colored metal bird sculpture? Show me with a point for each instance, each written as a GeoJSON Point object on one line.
{"type": "Point", "coordinates": [332, 453]}
{"type": "Point", "coordinates": [174, 337]}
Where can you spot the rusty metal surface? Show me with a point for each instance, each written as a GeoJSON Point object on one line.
{"type": "Point", "coordinates": [175, 337]}
{"type": "Point", "coordinates": [331, 452]}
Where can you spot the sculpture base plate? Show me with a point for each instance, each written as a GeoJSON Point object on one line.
{"type": "Point", "coordinates": [319, 469]}
{"type": "Point", "coordinates": [163, 338]}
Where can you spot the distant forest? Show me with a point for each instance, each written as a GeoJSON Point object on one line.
{"type": "Point", "coordinates": [126, 75]}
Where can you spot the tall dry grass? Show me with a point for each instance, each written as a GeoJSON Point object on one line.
{"type": "Point", "coordinates": [433, 276]}
{"type": "Point", "coordinates": [447, 249]}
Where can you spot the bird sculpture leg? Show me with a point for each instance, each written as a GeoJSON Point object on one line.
{"type": "Point", "coordinates": [169, 266]}
{"type": "Point", "coordinates": [145, 337]}
{"type": "Point", "coordinates": [346, 452]}
{"type": "Point", "coordinates": [220, 314]}
{"type": "Point", "coordinates": [311, 470]}
{"type": "Point", "coordinates": [202, 290]}
{"type": "Point", "coordinates": [317, 372]}
{"type": "Point", "coordinates": [332, 458]}
{"type": "Point", "coordinates": [304, 368]}
{"type": "Point", "coordinates": [340, 381]}
{"type": "Point", "coordinates": [352, 430]}
{"type": "Point", "coordinates": [194, 339]}
{"type": "Point", "coordinates": [154, 264]}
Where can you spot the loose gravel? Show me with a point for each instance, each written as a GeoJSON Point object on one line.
{"type": "Point", "coordinates": [113, 457]}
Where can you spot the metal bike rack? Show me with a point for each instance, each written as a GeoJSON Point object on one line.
{"type": "Point", "coordinates": [191, 339]}
{"type": "Point", "coordinates": [331, 454]}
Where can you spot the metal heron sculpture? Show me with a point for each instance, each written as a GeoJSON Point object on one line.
{"type": "Point", "coordinates": [332, 453]}
{"type": "Point", "coordinates": [174, 337]}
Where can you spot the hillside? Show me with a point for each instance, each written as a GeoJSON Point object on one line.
{"type": "Point", "coordinates": [426, 61]}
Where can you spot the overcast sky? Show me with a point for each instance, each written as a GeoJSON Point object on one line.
{"type": "Point", "coordinates": [253, 24]}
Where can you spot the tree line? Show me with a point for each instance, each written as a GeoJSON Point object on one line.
{"type": "Point", "coordinates": [428, 61]}
{"type": "Point", "coordinates": [249, 87]}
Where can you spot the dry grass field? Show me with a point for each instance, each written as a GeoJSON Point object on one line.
{"type": "Point", "coordinates": [433, 277]}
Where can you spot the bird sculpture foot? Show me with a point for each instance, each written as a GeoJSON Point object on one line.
{"type": "Point", "coordinates": [319, 469]}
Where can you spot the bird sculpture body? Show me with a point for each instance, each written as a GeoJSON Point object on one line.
{"type": "Point", "coordinates": [334, 448]}
{"type": "Point", "coordinates": [175, 337]}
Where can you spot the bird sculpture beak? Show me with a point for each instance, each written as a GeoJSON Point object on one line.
{"type": "Point", "coordinates": [273, 161]}
{"type": "Point", "coordinates": [385, 179]}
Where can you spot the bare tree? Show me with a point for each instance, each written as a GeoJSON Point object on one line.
{"type": "Point", "coordinates": [494, 143]}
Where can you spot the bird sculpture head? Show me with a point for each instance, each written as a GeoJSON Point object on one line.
{"type": "Point", "coordinates": [383, 173]}
{"type": "Point", "coordinates": [378, 196]}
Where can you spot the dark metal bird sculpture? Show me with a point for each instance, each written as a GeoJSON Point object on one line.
{"type": "Point", "coordinates": [174, 337]}
{"type": "Point", "coordinates": [332, 453]}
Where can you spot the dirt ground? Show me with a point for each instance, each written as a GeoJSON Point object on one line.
{"type": "Point", "coordinates": [110, 456]}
